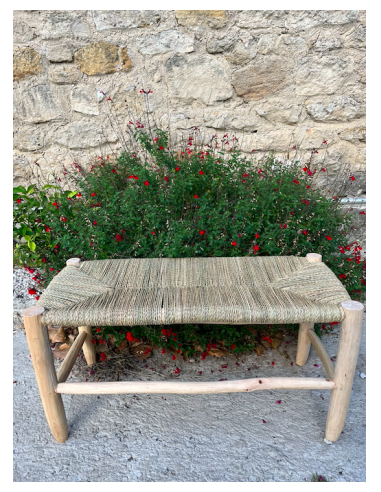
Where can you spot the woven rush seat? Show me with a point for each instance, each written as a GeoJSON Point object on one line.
{"type": "Point", "coordinates": [130, 292]}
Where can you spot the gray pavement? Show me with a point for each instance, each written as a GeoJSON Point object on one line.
{"type": "Point", "coordinates": [192, 438]}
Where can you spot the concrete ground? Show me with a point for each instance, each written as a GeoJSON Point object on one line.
{"type": "Point", "coordinates": [198, 438]}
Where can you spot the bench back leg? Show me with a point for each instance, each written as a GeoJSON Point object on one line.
{"type": "Point", "coordinates": [304, 343]}
{"type": "Point", "coordinates": [88, 347]}
{"type": "Point", "coordinates": [42, 358]}
{"type": "Point", "coordinates": [347, 354]}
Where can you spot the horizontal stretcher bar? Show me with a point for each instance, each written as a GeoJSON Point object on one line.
{"type": "Point", "coordinates": [179, 387]}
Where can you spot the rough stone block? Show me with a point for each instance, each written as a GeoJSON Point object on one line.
{"type": "Point", "coordinates": [64, 75]}
{"type": "Point", "coordinates": [300, 20]}
{"type": "Point", "coordinates": [106, 20]}
{"type": "Point", "coordinates": [35, 104]}
{"type": "Point", "coordinates": [200, 78]}
{"type": "Point", "coordinates": [280, 110]}
{"type": "Point", "coordinates": [22, 33]}
{"type": "Point", "coordinates": [25, 62]}
{"type": "Point", "coordinates": [28, 139]}
{"type": "Point", "coordinates": [58, 24]}
{"type": "Point", "coordinates": [261, 19]}
{"type": "Point", "coordinates": [265, 75]}
{"type": "Point", "coordinates": [338, 108]}
{"type": "Point", "coordinates": [102, 57]}
{"type": "Point", "coordinates": [58, 53]}
{"type": "Point", "coordinates": [316, 76]}
{"type": "Point", "coordinates": [82, 135]}
{"type": "Point", "coordinates": [165, 42]}
{"type": "Point", "coordinates": [84, 100]}
{"type": "Point", "coordinates": [207, 18]}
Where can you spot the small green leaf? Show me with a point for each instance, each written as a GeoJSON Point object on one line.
{"type": "Point", "coordinates": [31, 245]}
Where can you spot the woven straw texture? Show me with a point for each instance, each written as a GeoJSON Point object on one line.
{"type": "Point", "coordinates": [286, 289]}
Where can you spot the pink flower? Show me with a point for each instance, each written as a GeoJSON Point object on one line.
{"type": "Point", "coordinates": [278, 402]}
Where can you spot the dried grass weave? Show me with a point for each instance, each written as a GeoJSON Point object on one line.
{"type": "Point", "coordinates": [285, 289]}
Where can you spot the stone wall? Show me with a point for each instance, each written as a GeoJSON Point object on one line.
{"type": "Point", "coordinates": [273, 78]}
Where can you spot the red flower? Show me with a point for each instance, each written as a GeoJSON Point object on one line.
{"type": "Point", "coordinates": [257, 236]}
{"type": "Point", "coordinates": [161, 148]}
{"type": "Point", "coordinates": [64, 219]}
{"type": "Point", "coordinates": [278, 402]}
{"type": "Point", "coordinates": [51, 269]}
{"type": "Point", "coordinates": [201, 172]}
{"type": "Point", "coordinates": [304, 232]}
{"type": "Point", "coordinates": [37, 298]}
{"type": "Point", "coordinates": [272, 363]}
{"type": "Point", "coordinates": [44, 260]}
{"type": "Point", "coordinates": [32, 292]}
{"type": "Point", "coordinates": [146, 182]}
{"type": "Point", "coordinates": [342, 275]}
{"type": "Point", "coordinates": [323, 169]}
{"type": "Point", "coordinates": [177, 370]}
{"type": "Point", "coordinates": [308, 186]}
{"type": "Point", "coordinates": [153, 232]}
{"type": "Point", "coordinates": [233, 346]}
{"type": "Point", "coordinates": [256, 247]}
{"type": "Point", "coordinates": [196, 196]}
{"type": "Point", "coordinates": [118, 237]}
{"type": "Point", "coordinates": [177, 168]}
{"type": "Point", "coordinates": [352, 178]}
{"type": "Point", "coordinates": [163, 351]}
{"type": "Point", "coordinates": [98, 330]}
{"type": "Point", "coordinates": [95, 222]}
{"type": "Point", "coordinates": [113, 170]}
{"type": "Point", "coordinates": [173, 357]}
{"type": "Point", "coordinates": [234, 243]}
{"type": "Point", "coordinates": [47, 229]}
{"type": "Point", "coordinates": [78, 194]}
{"type": "Point", "coordinates": [362, 212]}
{"type": "Point", "coordinates": [202, 232]}
{"type": "Point", "coordinates": [130, 337]}
{"type": "Point", "coordinates": [325, 141]}
{"type": "Point", "coordinates": [166, 178]}
{"type": "Point", "coordinates": [156, 139]}
{"type": "Point", "coordinates": [18, 200]}
{"type": "Point", "coordinates": [329, 238]}
{"type": "Point", "coordinates": [92, 194]}
{"type": "Point", "coordinates": [296, 181]}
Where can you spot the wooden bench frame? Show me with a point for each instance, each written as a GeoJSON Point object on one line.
{"type": "Point", "coordinates": [339, 380]}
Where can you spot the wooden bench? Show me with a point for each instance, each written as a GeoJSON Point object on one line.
{"type": "Point", "coordinates": [245, 290]}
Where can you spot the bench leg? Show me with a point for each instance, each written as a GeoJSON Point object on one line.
{"type": "Point", "coordinates": [347, 354]}
{"type": "Point", "coordinates": [88, 347]}
{"type": "Point", "coordinates": [46, 377]}
{"type": "Point", "coordinates": [304, 343]}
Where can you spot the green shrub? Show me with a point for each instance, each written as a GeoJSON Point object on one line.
{"type": "Point", "coordinates": [162, 203]}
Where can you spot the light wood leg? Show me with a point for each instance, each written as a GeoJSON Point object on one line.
{"type": "Point", "coordinates": [88, 347]}
{"type": "Point", "coordinates": [304, 343]}
{"type": "Point", "coordinates": [42, 359]}
{"type": "Point", "coordinates": [347, 354]}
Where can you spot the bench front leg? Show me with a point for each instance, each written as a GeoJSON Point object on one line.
{"type": "Point", "coordinates": [347, 354]}
{"type": "Point", "coordinates": [42, 358]}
